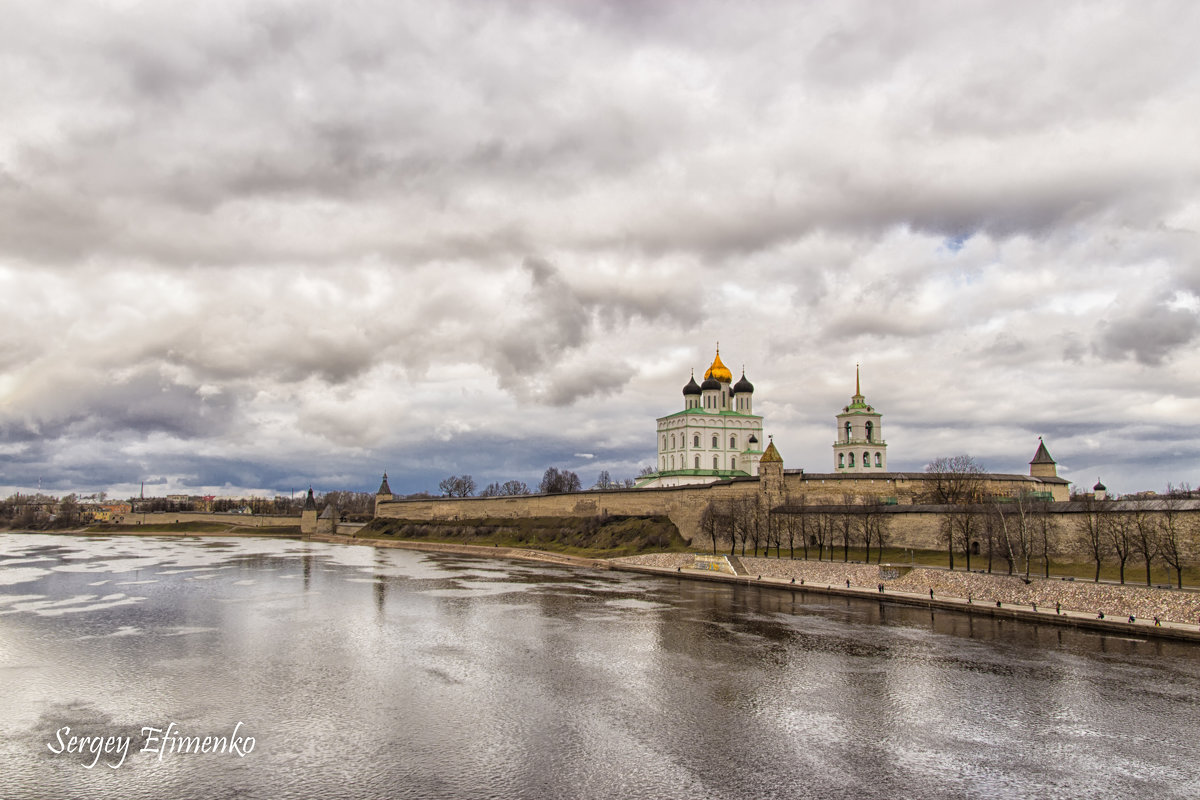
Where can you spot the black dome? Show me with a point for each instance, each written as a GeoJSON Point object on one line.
{"type": "Point", "coordinates": [692, 387]}
{"type": "Point", "coordinates": [743, 385]}
{"type": "Point", "coordinates": [710, 383]}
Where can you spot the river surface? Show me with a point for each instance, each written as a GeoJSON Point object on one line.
{"type": "Point", "coordinates": [389, 673]}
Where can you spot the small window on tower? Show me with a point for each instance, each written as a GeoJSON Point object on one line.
{"type": "Point", "coordinates": [714, 462]}
{"type": "Point", "coordinates": [879, 459]}
{"type": "Point", "coordinates": [733, 443]}
{"type": "Point", "coordinates": [852, 459]}
{"type": "Point", "coordinates": [714, 441]}
{"type": "Point", "coordinates": [696, 441]}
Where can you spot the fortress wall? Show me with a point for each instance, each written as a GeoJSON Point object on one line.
{"type": "Point", "coordinates": [245, 520]}
{"type": "Point", "coordinates": [683, 505]}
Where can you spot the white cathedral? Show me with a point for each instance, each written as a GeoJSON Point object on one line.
{"type": "Point", "coordinates": [718, 436]}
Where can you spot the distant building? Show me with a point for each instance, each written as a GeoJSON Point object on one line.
{"type": "Point", "coordinates": [716, 436]}
{"type": "Point", "coordinates": [860, 446]}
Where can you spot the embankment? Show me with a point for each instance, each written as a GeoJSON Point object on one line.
{"type": "Point", "coordinates": [606, 535]}
{"type": "Point", "coordinates": [1074, 603]}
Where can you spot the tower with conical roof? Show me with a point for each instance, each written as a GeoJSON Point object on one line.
{"type": "Point", "coordinates": [384, 494]}
{"type": "Point", "coordinates": [717, 435]}
{"type": "Point", "coordinates": [1042, 465]}
{"type": "Point", "coordinates": [859, 446]}
{"type": "Point", "coordinates": [308, 515]}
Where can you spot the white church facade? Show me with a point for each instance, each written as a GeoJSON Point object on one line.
{"type": "Point", "coordinates": [716, 436]}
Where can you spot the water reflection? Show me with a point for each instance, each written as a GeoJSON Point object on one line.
{"type": "Point", "coordinates": [389, 673]}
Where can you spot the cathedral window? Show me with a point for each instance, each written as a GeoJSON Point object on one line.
{"type": "Point", "coordinates": [664, 447]}
{"type": "Point", "coordinates": [714, 462]}
{"type": "Point", "coordinates": [878, 460]}
{"type": "Point", "coordinates": [672, 462]}
{"type": "Point", "coordinates": [696, 441]}
{"type": "Point", "coordinates": [714, 441]}
{"type": "Point", "coordinates": [733, 463]}
{"type": "Point", "coordinates": [870, 428]}
{"type": "Point", "coordinates": [697, 462]}
{"type": "Point", "coordinates": [852, 459]}
{"type": "Point", "coordinates": [841, 460]}
{"type": "Point", "coordinates": [733, 443]}
{"type": "Point", "coordinates": [848, 431]}
{"type": "Point", "coordinates": [672, 441]}
{"type": "Point", "coordinates": [866, 459]}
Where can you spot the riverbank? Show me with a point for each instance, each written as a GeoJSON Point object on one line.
{"type": "Point", "coordinates": [1057, 602]}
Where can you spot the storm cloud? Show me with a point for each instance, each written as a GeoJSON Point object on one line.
{"type": "Point", "coordinates": [246, 246]}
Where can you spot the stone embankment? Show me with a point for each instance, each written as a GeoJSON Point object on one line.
{"type": "Point", "coordinates": [1075, 599]}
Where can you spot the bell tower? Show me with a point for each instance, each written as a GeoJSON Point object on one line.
{"type": "Point", "coordinates": [859, 446]}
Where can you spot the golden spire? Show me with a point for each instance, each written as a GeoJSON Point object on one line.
{"type": "Point", "coordinates": [718, 370]}
{"type": "Point", "coordinates": [857, 384]}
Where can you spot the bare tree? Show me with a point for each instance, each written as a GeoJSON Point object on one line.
{"type": "Point", "coordinates": [963, 524]}
{"type": "Point", "coordinates": [882, 521]}
{"type": "Point", "coordinates": [555, 481]}
{"type": "Point", "coordinates": [710, 523]}
{"type": "Point", "coordinates": [792, 524]}
{"type": "Point", "coordinates": [741, 518]}
{"type": "Point", "coordinates": [1144, 537]}
{"type": "Point", "coordinates": [1120, 532]}
{"type": "Point", "coordinates": [1090, 527]}
{"type": "Point", "coordinates": [756, 530]}
{"type": "Point", "coordinates": [1176, 531]}
{"type": "Point", "coordinates": [604, 481]}
{"type": "Point", "coordinates": [954, 480]}
{"type": "Point", "coordinates": [824, 528]}
{"type": "Point", "coordinates": [1045, 529]}
{"type": "Point", "coordinates": [1012, 526]}
{"type": "Point", "coordinates": [457, 486]}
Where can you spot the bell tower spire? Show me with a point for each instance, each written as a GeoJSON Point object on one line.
{"type": "Point", "coordinates": [859, 446]}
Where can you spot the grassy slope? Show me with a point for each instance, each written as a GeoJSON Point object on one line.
{"type": "Point", "coordinates": [584, 536]}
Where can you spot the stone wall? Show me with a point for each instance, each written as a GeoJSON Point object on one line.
{"type": "Point", "coordinates": [909, 525]}
{"type": "Point", "coordinates": [684, 504]}
{"type": "Point", "coordinates": [244, 520]}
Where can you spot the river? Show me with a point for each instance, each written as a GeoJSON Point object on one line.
{"type": "Point", "coordinates": [355, 672]}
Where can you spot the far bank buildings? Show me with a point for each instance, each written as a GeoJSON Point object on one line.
{"type": "Point", "coordinates": [717, 437]}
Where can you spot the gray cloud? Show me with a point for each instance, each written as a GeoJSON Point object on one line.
{"type": "Point", "coordinates": [346, 236]}
{"type": "Point", "coordinates": [1149, 333]}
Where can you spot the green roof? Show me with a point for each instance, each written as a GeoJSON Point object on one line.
{"type": "Point", "coordinates": [702, 413]}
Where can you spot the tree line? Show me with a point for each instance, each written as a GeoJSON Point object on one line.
{"type": "Point", "coordinates": [554, 481]}
{"type": "Point", "coordinates": [811, 530]}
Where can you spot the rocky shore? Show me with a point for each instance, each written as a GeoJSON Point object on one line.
{"type": "Point", "coordinates": [1082, 597]}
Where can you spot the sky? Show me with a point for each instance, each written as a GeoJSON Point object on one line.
{"type": "Point", "coordinates": [252, 247]}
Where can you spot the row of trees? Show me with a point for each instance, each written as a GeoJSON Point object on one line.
{"type": "Point", "coordinates": [554, 481]}
{"type": "Point", "coordinates": [813, 530]}
{"type": "Point", "coordinates": [1025, 530]}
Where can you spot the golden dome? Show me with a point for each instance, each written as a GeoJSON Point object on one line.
{"type": "Point", "coordinates": [719, 371]}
